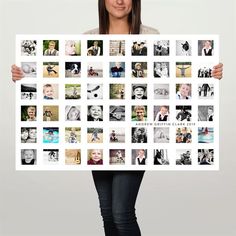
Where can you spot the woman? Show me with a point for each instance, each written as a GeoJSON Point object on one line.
{"type": "Point", "coordinates": [117, 190]}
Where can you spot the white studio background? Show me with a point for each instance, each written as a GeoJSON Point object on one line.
{"type": "Point", "coordinates": [169, 203]}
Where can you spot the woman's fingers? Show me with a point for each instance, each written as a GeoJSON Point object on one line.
{"type": "Point", "coordinates": [17, 73]}
{"type": "Point", "coordinates": [217, 71]}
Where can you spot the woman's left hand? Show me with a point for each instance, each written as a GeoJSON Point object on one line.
{"type": "Point", "coordinates": [217, 71]}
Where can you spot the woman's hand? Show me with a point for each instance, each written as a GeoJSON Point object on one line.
{"type": "Point", "coordinates": [217, 71]}
{"type": "Point", "coordinates": [17, 73]}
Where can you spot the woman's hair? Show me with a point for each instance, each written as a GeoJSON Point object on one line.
{"type": "Point", "coordinates": [134, 18]}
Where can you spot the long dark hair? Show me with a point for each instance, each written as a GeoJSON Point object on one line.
{"type": "Point", "coordinates": [134, 18]}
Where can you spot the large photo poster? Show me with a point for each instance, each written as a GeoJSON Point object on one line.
{"type": "Point", "coordinates": [117, 102]}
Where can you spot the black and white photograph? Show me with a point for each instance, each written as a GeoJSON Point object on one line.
{"type": "Point", "coordinates": [72, 91]}
{"type": "Point", "coordinates": [206, 91]}
{"type": "Point", "coordinates": [184, 113]}
{"type": "Point", "coordinates": [183, 157]}
{"type": "Point", "coordinates": [161, 48]}
{"type": "Point", "coordinates": [94, 91]}
{"type": "Point", "coordinates": [117, 48]}
{"type": "Point", "coordinates": [205, 113]}
{"type": "Point", "coordinates": [117, 69]}
{"type": "Point", "coordinates": [161, 134]}
{"type": "Point", "coordinates": [72, 69]}
{"type": "Point", "coordinates": [95, 69]}
{"type": "Point", "coordinates": [117, 113]}
{"type": "Point", "coordinates": [204, 71]}
{"type": "Point", "coordinates": [28, 156]}
{"type": "Point", "coordinates": [139, 48]}
{"type": "Point", "coordinates": [28, 135]}
{"type": "Point", "coordinates": [183, 48]}
{"type": "Point", "coordinates": [28, 91]}
{"type": "Point", "coordinates": [29, 69]}
{"type": "Point", "coordinates": [94, 135]}
{"type": "Point", "coordinates": [205, 156]}
{"type": "Point", "coordinates": [117, 156]}
{"type": "Point", "coordinates": [205, 47]}
{"type": "Point", "coordinates": [72, 134]}
{"type": "Point", "coordinates": [95, 113]}
{"type": "Point", "coordinates": [139, 69]}
{"type": "Point", "coordinates": [72, 113]}
{"type": "Point", "coordinates": [50, 156]}
{"type": "Point", "coordinates": [160, 157]}
{"type": "Point", "coordinates": [139, 157]}
{"type": "Point", "coordinates": [161, 91]}
{"type": "Point", "coordinates": [161, 113]}
{"type": "Point", "coordinates": [161, 70]}
{"type": "Point", "coordinates": [117, 135]}
{"type": "Point", "coordinates": [28, 47]}
{"type": "Point", "coordinates": [139, 135]}
{"type": "Point", "coordinates": [139, 91]}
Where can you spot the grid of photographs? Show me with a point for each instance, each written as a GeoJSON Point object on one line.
{"type": "Point", "coordinates": [117, 102]}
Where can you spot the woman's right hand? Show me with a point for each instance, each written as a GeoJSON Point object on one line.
{"type": "Point", "coordinates": [17, 73]}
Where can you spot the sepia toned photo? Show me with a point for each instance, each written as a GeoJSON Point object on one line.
{"type": "Point", "coordinates": [72, 134]}
{"type": "Point", "coordinates": [117, 156]}
{"type": "Point", "coordinates": [183, 69]}
{"type": "Point", "coordinates": [117, 48]}
{"type": "Point", "coordinates": [72, 156]}
{"type": "Point", "coordinates": [50, 113]}
{"type": "Point", "coordinates": [117, 91]}
{"type": "Point", "coordinates": [95, 135]}
{"type": "Point", "coordinates": [50, 69]}
{"type": "Point", "coordinates": [117, 135]}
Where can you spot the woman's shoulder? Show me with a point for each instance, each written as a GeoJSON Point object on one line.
{"type": "Point", "coordinates": [148, 30]}
{"type": "Point", "coordinates": [92, 31]}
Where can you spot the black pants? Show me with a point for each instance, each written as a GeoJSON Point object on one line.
{"type": "Point", "coordinates": [117, 193]}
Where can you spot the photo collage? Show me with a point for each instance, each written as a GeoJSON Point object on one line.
{"type": "Point", "coordinates": [117, 102]}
